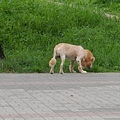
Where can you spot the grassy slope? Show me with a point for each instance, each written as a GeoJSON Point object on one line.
{"type": "Point", "coordinates": [29, 31]}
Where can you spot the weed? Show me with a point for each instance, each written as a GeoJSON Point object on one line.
{"type": "Point", "coordinates": [29, 30]}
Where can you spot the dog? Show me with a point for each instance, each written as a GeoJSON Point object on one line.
{"type": "Point", "coordinates": [83, 57]}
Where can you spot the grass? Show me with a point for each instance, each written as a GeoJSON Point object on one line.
{"type": "Point", "coordinates": [29, 30]}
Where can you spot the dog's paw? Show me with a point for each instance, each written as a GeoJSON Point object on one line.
{"type": "Point", "coordinates": [73, 71]}
{"type": "Point", "coordinates": [61, 72]}
{"type": "Point", "coordinates": [83, 71]}
{"type": "Point", "coordinates": [51, 72]}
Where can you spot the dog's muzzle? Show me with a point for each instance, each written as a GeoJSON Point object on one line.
{"type": "Point", "coordinates": [89, 67]}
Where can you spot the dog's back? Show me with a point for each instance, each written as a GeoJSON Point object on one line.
{"type": "Point", "coordinates": [69, 50]}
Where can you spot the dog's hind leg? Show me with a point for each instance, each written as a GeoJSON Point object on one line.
{"type": "Point", "coordinates": [61, 65]}
{"type": "Point", "coordinates": [71, 66]}
{"type": "Point", "coordinates": [52, 64]}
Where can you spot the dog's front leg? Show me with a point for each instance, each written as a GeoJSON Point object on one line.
{"type": "Point", "coordinates": [81, 70]}
{"type": "Point", "coordinates": [79, 65]}
{"type": "Point", "coordinates": [71, 66]}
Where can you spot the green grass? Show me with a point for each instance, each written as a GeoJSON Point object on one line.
{"type": "Point", "coordinates": [29, 30]}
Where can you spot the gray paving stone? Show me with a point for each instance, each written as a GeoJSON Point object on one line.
{"type": "Point", "coordinates": [74, 118]}
{"type": "Point", "coordinates": [34, 119]}
{"type": "Point", "coordinates": [54, 118]}
{"type": "Point", "coordinates": [7, 119]}
{"type": "Point", "coordinates": [92, 96]}
{"type": "Point", "coordinates": [18, 119]}
{"type": "Point", "coordinates": [112, 118]}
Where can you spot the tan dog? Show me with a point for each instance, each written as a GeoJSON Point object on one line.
{"type": "Point", "coordinates": [83, 57]}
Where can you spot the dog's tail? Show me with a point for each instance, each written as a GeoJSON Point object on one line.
{"type": "Point", "coordinates": [53, 61]}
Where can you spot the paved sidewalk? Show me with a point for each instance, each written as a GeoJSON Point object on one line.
{"type": "Point", "coordinates": [92, 96]}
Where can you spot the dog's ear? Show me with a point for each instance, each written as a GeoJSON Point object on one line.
{"type": "Point", "coordinates": [92, 59]}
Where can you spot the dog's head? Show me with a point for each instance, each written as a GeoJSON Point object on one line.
{"type": "Point", "coordinates": [88, 60]}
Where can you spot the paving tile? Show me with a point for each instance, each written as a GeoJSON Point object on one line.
{"type": "Point", "coordinates": [94, 96]}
